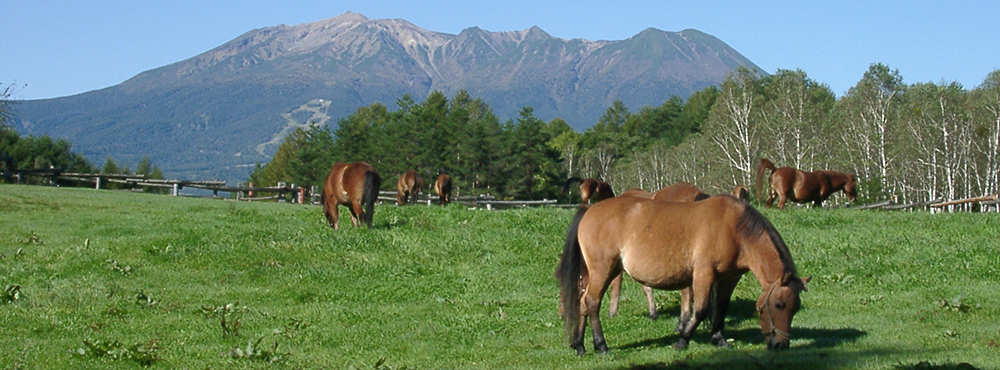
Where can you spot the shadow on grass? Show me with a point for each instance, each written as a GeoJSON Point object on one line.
{"type": "Point", "coordinates": [793, 359]}
{"type": "Point", "coordinates": [819, 338]}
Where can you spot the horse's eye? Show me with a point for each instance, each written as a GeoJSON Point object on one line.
{"type": "Point", "coordinates": [779, 305]}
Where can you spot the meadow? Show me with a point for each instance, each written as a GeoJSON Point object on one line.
{"type": "Point", "coordinates": [103, 279]}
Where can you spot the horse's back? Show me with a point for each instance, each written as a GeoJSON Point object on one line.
{"type": "Point", "coordinates": [680, 192]}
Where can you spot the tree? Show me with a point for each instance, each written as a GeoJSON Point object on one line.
{"type": "Point", "coordinates": [735, 123]}
{"type": "Point", "coordinates": [532, 171]}
{"type": "Point", "coordinates": [986, 107]}
{"type": "Point", "coordinates": [870, 114]}
{"type": "Point", "coordinates": [937, 120]}
{"type": "Point", "coordinates": [794, 111]}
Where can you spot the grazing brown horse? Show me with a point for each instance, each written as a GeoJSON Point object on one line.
{"type": "Point", "coordinates": [408, 187]}
{"type": "Point", "coordinates": [675, 246]}
{"type": "Point", "coordinates": [679, 192]}
{"type": "Point", "coordinates": [354, 185]}
{"type": "Point", "coordinates": [803, 187]}
{"type": "Point", "coordinates": [443, 189]}
{"type": "Point", "coordinates": [591, 189]}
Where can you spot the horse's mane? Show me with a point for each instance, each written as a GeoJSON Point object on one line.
{"type": "Point", "coordinates": [754, 224]}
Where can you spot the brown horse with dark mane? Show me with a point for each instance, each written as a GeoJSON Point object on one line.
{"type": "Point", "coordinates": [591, 190]}
{"type": "Point", "coordinates": [673, 246]}
{"type": "Point", "coordinates": [799, 186]}
{"type": "Point", "coordinates": [354, 185]}
{"type": "Point", "coordinates": [408, 187]}
{"type": "Point", "coordinates": [443, 189]}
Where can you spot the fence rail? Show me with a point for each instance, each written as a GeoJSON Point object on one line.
{"type": "Point", "coordinates": [311, 195]}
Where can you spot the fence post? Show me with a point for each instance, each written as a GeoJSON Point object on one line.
{"type": "Point", "coordinates": [97, 184]}
{"type": "Point", "coordinates": [302, 195]}
{"type": "Point", "coordinates": [281, 194]}
{"type": "Point", "coordinates": [175, 189]}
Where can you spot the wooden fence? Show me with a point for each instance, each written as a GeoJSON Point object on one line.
{"type": "Point", "coordinates": [311, 195]}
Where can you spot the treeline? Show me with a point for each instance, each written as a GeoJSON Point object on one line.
{"type": "Point", "coordinates": [905, 142]}
{"type": "Point", "coordinates": [43, 152]}
{"type": "Point", "coordinates": [523, 158]}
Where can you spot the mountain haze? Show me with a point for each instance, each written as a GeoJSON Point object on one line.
{"type": "Point", "coordinates": [218, 113]}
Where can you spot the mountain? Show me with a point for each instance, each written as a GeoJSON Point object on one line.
{"type": "Point", "coordinates": [218, 113]}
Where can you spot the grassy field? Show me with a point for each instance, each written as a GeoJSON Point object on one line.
{"type": "Point", "coordinates": [100, 279]}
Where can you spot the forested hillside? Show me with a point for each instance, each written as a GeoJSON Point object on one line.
{"type": "Point", "coordinates": [913, 142]}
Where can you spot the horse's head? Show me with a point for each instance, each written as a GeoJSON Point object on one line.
{"type": "Point", "coordinates": [777, 306]}
{"type": "Point", "coordinates": [851, 188]}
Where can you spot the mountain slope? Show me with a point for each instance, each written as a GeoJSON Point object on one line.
{"type": "Point", "coordinates": [216, 114]}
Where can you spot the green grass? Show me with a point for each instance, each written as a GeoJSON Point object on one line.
{"type": "Point", "coordinates": [148, 278]}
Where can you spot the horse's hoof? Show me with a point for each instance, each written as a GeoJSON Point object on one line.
{"type": "Point", "coordinates": [721, 343]}
{"type": "Point", "coordinates": [603, 348]}
{"type": "Point", "coordinates": [681, 345]}
{"type": "Point", "coordinates": [654, 316]}
{"type": "Point", "coordinates": [580, 351]}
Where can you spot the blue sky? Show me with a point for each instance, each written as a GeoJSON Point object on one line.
{"type": "Point", "coordinates": [59, 48]}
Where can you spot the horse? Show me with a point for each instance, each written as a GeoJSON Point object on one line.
{"type": "Point", "coordinates": [443, 189]}
{"type": "Point", "coordinates": [679, 192]}
{"type": "Point", "coordinates": [354, 185]}
{"type": "Point", "coordinates": [742, 193]}
{"type": "Point", "coordinates": [591, 189]}
{"type": "Point", "coordinates": [673, 246]}
{"type": "Point", "coordinates": [799, 186]}
{"type": "Point", "coordinates": [408, 187]}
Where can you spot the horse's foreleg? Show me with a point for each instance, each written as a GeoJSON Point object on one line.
{"type": "Point", "coordinates": [650, 302]}
{"type": "Point", "coordinates": [685, 315]}
{"type": "Point", "coordinates": [701, 290]}
{"type": "Point", "coordinates": [723, 295]}
{"type": "Point", "coordinates": [614, 294]}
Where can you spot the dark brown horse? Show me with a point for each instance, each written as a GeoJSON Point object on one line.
{"type": "Point", "coordinates": [354, 185]}
{"type": "Point", "coordinates": [408, 187]}
{"type": "Point", "coordinates": [675, 246]}
{"type": "Point", "coordinates": [591, 190]}
{"type": "Point", "coordinates": [679, 192]}
{"type": "Point", "coordinates": [803, 187]}
{"type": "Point", "coordinates": [443, 189]}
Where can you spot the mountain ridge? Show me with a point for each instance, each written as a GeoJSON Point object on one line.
{"type": "Point", "coordinates": [216, 113]}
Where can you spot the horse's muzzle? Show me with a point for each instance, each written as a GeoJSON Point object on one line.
{"type": "Point", "coordinates": [775, 343]}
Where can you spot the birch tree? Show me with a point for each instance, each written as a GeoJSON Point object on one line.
{"type": "Point", "coordinates": [870, 119]}
{"type": "Point", "coordinates": [986, 99]}
{"type": "Point", "coordinates": [734, 124]}
{"type": "Point", "coordinates": [793, 112]}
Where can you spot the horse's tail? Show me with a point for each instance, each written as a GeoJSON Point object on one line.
{"type": "Point", "coordinates": [569, 182]}
{"type": "Point", "coordinates": [372, 184]}
{"type": "Point", "coordinates": [764, 164]}
{"type": "Point", "coordinates": [568, 273]}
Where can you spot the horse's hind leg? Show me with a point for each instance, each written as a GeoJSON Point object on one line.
{"type": "Point", "coordinates": [357, 212]}
{"type": "Point", "coordinates": [331, 215]}
{"type": "Point", "coordinates": [591, 305]}
{"type": "Point", "coordinates": [614, 294]}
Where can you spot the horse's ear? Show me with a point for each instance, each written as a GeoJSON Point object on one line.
{"type": "Point", "coordinates": [787, 277]}
{"type": "Point", "coordinates": [805, 283]}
